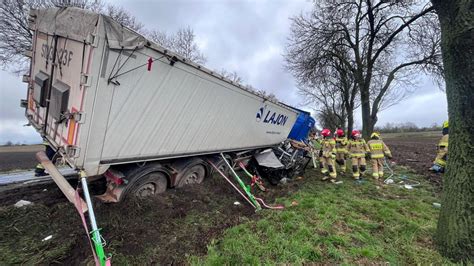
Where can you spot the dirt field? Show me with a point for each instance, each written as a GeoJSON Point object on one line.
{"type": "Point", "coordinates": [18, 157]}
{"type": "Point", "coordinates": [184, 221]}
{"type": "Point", "coordinates": [417, 151]}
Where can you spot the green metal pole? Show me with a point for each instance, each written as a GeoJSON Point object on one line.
{"type": "Point", "coordinates": [241, 183]}
{"type": "Point", "coordinates": [96, 238]}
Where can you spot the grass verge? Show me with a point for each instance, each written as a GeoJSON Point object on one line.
{"type": "Point", "coordinates": [353, 222]}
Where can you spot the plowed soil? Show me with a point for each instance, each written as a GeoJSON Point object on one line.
{"type": "Point", "coordinates": [417, 152]}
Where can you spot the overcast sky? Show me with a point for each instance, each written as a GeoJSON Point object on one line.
{"type": "Point", "coordinates": [238, 35]}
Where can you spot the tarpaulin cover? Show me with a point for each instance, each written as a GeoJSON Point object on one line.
{"type": "Point", "coordinates": [77, 24]}
{"type": "Point", "coordinates": [268, 159]}
{"type": "Point", "coordinates": [80, 25]}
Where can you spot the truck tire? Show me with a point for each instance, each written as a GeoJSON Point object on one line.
{"type": "Point", "coordinates": [146, 185]}
{"type": "Point", "coordinates": [193, 174]}
{"type": "Point", "coordinates": [222, 166]}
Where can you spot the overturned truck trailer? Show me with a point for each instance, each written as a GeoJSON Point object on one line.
{"type": "Point", "coordinates": [114, 104]}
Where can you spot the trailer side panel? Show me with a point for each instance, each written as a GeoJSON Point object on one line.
{"type": "Point", "coordinates": [178, 110]}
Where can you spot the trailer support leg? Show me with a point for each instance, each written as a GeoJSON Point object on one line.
{"type": "Point", "coordinates": [96, 237]}
{"type": "Point", "coordinates": [59, 179]}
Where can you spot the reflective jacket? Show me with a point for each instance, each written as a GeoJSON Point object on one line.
{"type": "Point", "coordinates": [442, 155]}
{"type": "Point", "coordinates": [378, 149]}
{"type": "Point", "coordinates": [341, 145]}
{"type": "Point", "coordinates": [328, 147]}
{"type": "Point", "coordinates": [443, 143]}
{"type": "Point", "coordinates": [357, 148]}
{"type": "Point", "coordinates": [316, 144]}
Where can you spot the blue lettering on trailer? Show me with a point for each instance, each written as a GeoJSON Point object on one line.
{"type": "Point", "coordinates": [271, 117]}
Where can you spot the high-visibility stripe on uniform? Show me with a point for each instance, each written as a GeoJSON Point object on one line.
{"type": "Point", "coordinates": [440, 162]}
{"type": "Point", "coordinates": [376, 156]}
{"type": "Point", "coordinates": [376, 146]}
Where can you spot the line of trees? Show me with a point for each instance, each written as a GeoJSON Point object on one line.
{"type": "Point", "coordinates": [362, 53]}
{"type": "Point", "coordinates": [406, 127]}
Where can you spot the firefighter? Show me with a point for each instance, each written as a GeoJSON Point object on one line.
{"type": "Point", "coordinates": [315, 144]}
{"type": "Point", "coordinates": [327, 156]}
{"type": "Point", "coordinates": [378, 151]}
{"type": "Point", "coordinates": [341, 149]}
{"type": "Point", "coordinates": [357, 149]}
{"type": "Point", "coordinates": [439, 163]}
{"type": "Point", "coordinates": [39, 170]}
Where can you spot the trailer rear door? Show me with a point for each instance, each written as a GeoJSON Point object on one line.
{"type": "Point", "coordinates": [58, 81]}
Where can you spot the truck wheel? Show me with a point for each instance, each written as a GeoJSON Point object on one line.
{"type": "Point", "coordinates": [193, 175]}
{"type": "Point", "coordinates": [221, 165]}
{"type": "Point", "coordinates": [148, 185]}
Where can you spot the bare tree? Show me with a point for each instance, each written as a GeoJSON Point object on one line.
{"type": "Point", "coordinates": [388, 43]}
{"type": "Point", "coordinates": [267, 95]}
{"type": "Point", "coordinates": [123, 17]}
{"type": "Point", "coordinates": [16, 37]}
{"type": "Point", "coordinates": [232, 76]}
{"type": "Point", "coordinates": [182, 42]}
{"type": "Point", "coordinates": [329, 88]}
{"type": "Point", "coordinates": [327, 118]}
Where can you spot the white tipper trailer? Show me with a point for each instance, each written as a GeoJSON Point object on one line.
{"type": "Point", "coordinates": [112, 103]}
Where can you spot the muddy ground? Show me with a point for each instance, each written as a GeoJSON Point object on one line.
{"type": "Point", "coordinates": [166, 229]}
{"type": "Point", "coordinates": [417, 152]}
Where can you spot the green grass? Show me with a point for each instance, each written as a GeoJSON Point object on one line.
{"type": "Point", "coordinates": [347, 223]}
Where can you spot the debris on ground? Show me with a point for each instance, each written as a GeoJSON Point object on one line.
{"type": "Point", "coordinates": [22, 203]}
{"type": "Point", "coordinates": [47, 238]}
{"type": "Point", "coordinates": [423, 148]}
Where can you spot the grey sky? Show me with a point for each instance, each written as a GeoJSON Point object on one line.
{"type": "Point", "coordinates": [238, 35]}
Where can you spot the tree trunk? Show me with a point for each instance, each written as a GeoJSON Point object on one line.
{"type": "Point", "coordinates": [350, 121]}
{"type": "Point", "coordinates": [366, 118]}
{"type": "Point", "coordinates": [455, 233]}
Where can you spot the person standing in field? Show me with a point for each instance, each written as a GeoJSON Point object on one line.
{"type": "Point", "coordinates": [357, 149]}
{"type": "Point", "coordinates": [341, 149]}
{"type": "Point", "coordinates": [315, 143]}
{"type": "Point", "coordinates": [439, 163]}
{"type": "Point", "coordinates": [328, 154]}
{"type": "Point", "coordinates": [378, 151]}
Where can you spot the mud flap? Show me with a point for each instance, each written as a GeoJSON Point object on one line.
{"type": "Point", "coordinates": [112, 194]}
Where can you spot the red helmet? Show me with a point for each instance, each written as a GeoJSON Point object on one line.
{"type": "Point", "coordinates": [340, 132]}
{"type": "Point", "coordinates": [355, 133]}
{"type": "Point", "coordinates": [326, 132]}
